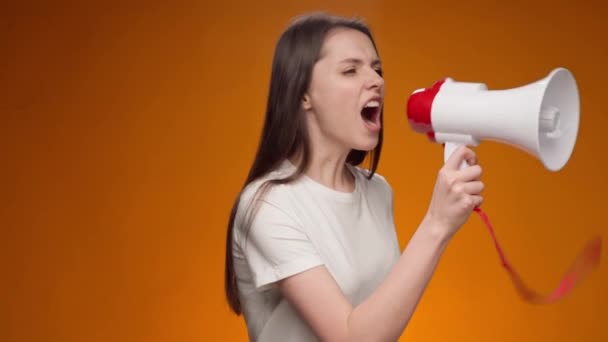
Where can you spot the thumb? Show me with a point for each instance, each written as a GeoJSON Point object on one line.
{"type": "Point", "coordinates": [460, 154]}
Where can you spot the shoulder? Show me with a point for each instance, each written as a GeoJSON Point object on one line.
{"type": "Point", "coordinates": [262, 199]}
{"type": "Point", "coordinates": [262, 189]}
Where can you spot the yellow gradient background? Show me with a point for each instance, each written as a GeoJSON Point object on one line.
{"type": "Point", "coordinates": [127, 130]}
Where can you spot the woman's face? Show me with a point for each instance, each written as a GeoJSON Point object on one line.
{"type": "Point", "coordinates": [346, 92]}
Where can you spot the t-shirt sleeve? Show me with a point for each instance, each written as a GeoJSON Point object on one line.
{"type": "Point", "coordinates": [275, 246]}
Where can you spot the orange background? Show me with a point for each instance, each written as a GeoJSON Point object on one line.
{"type": "Point", "coordinates": [127, 130]}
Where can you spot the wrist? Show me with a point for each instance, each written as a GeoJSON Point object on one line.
{"type": "Point", "coordinates": [436, 229]}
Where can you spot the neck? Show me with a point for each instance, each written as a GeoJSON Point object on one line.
{"type": "Point", "coordinates": [327, 160]}
{"type": "Point", "coordinates": [328, 169]}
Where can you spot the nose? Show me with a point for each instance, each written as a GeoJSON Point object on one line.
{"type": "Point", "coordinates": [375, 80]}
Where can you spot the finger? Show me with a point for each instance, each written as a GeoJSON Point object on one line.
{"type": "Point", "coordinates": [471, 173]}
{"type": "Point", "coordinates": [462, 153]}
{"type": "Point", "coordinates": [476, 201]}
{"type": "Point", "coordinates": [472, 160]}
{"type": "Point", "coordinates": [473, 188]}
{"type": "Point", "coordinates": [473, 201]}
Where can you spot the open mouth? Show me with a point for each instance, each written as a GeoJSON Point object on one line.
{"type": "Point", "coordinates": [371, 114]}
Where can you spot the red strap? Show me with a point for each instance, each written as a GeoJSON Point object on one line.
{"type": "Point", "coordinates": [582, 266]}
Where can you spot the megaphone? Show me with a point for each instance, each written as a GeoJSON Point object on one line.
{"type": "Point", "coordinates": [541, 118]}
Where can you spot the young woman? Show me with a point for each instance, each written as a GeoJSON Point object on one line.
{"type": "Point", "coordinates": [311, 250]}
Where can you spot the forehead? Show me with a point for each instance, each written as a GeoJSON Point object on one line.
{"type": "Point", "coordinates": [344, 43]}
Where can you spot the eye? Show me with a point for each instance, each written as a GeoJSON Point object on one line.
{"type": "Point", "coordinates": [350, 71]}
{"type": "Point", "coordinates": [379, 71]}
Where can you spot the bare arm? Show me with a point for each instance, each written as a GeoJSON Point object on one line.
{"type": "Point", "coordinates": [384, 315]}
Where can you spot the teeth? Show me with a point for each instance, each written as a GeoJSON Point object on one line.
{"type": "Point", "coordinates": [372, 104]}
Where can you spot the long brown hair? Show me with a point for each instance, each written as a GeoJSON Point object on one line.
{"type": "Point", "coordinates": [284, 132]}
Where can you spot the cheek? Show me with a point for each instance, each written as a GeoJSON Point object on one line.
{"type": "Point", "coordinates": [337, 99]}
{"type": "Point", "coordinates": [334, 100]}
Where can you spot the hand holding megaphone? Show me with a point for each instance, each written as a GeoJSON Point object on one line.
{"type": "Point", "coordinates": [457, 192]}
{"type": "Point", "coordinates": [541, 118]}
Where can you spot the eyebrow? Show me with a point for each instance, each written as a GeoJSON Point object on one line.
{"type": "Point", "coordinates": [375, 62]}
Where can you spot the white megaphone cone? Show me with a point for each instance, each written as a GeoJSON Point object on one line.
{"type": "Point", "coordinates": [541, 118]}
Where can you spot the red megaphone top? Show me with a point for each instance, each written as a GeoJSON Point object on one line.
{"type": "Point", "coordinates": [419, 107]}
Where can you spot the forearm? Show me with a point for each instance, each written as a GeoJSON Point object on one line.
{"type": "Point", "coordinates": [385, 314]}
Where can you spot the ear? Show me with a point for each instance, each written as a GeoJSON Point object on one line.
{"type": "Point", "coordinates": [306, 102]}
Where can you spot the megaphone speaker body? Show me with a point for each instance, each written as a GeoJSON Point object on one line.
{"type": "Point", "coordinates": [541, 118]}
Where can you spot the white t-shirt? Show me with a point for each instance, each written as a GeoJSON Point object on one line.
{"type": "Point", "coordinates": [305, 224]}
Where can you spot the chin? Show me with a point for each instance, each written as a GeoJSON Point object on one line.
{"type": "Point", "coordinates": [367, 144]}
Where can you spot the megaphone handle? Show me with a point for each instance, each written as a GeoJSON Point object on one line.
{"type": "Point", "coordinates": [449, 148]}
